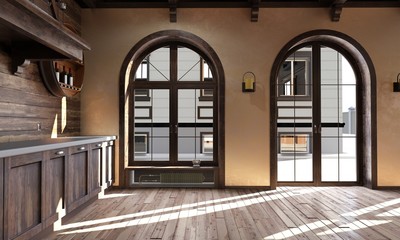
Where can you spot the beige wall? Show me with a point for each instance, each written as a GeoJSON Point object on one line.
{"type": "Point", "coordinates": [242, 46]}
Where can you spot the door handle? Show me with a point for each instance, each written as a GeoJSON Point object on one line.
{"type": "Point", "coordinates": [174, 128]}
{"type": "Point", "coordinates": [317, 128]}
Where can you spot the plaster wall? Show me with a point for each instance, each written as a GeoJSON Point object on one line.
{"type": "Point", "coordinates": [242, 46]}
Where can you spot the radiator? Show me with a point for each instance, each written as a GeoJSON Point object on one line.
{"type": "Point", "coordinates": [181, 178]}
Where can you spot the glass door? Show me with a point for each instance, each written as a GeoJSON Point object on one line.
{"type": "Point", "coordinates": [316, 118]}
{"type": "Point", "coordinates": [338, 118]}
{"type": "Point", "coordinates": [295, 118]}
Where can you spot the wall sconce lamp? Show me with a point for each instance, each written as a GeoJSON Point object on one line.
{"type": "Point", "coordinates": [249, 82]}
{"type": "Point", "coordinates": [396, 85]}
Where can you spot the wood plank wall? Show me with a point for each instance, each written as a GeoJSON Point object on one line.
{"type": "Point", "coordinates": [25, 102]}
{"type": "Point", "coordinates": [71, 17]}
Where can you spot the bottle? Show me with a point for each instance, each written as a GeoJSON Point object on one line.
{"type": "Point", "coordinates": [57, 72]}
{"type": "Point", "coordinates": [71, 78]}
{"type": "Point", "coordinates": [63, 76]}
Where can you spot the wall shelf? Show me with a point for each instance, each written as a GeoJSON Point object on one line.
{"type": "Point", "coordinates": [58, 87]}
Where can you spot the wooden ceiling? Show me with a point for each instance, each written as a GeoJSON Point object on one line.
{"type": "Point", "coordinates": [336, 6]}
{"type": "Point", "coordinates": [232, 3]}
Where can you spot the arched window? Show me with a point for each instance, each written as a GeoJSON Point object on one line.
{"type": "Point", "coordinates": [172, 110]}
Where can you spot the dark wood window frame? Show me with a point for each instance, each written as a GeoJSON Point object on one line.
{"type": "Point", "coordinates": [139, 52]}
{"type": "Point", "coordinates": [366, 102]}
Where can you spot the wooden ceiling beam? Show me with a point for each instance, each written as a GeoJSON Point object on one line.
{"type": "Point", "coordinates": [236, 4]}
{"type": "Point", "coordinates": [336, 9]}
{"type": "Point", "coordinates": [90, 3]}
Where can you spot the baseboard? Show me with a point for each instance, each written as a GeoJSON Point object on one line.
{"type": "Point", "coordinates": [263, 188]}
{"type": "Point", "coordinates": [396, 188]}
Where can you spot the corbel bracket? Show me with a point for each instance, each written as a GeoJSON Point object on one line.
{"type": "Point", "coordinates": [336, 9]}
{"type": "Point", "coordinates": [255, 10]}
{"type": "Point", "coordinates": [172, 10]}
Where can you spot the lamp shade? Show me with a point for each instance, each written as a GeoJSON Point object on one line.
{"type": "Point", "coordinates": [249, 82]}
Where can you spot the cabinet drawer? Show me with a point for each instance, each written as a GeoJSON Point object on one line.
{"type": "Point", "coordinates": [78, 148]}
{"type": "Point", "coordinates": [58, 152]}
{"type": "Point", "coordinates": [97, 145]}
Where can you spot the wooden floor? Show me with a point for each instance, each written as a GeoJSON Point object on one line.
{"type": "Point", "coordinates": [285, 213]}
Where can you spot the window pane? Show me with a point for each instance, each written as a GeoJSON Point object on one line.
{"type": "Point", "coordinates": [338, 118]}
{"type": "Point", "coordinates": [294, 76]}
{"type": "Point", "coordinates": [330, 159]}
{"type": "Point", "coordinates": [189, 64]}
{"type": "Point", "coordinates": [348, 160]}
{"type": "Point", "coordinates": [142, 71]}
{"type": "Point", "coordinates": [295, 158]}
{"type": "Point", "coordinates": [159, 64]}
{"type": "Point", "coordinates": [152, 130]}
{"type": "Point", "coordinates": [195, 126]}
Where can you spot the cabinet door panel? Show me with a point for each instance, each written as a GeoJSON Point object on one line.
{"type": "Point", "coordinates": [54, 186]}
{"type": "Point", "coordinates": [77, 178]}
{"type": "Point", "coordinates": [24, 198]}
{"type": "Point", "coordinates": [108, 164]}
{"type": "Point", "coordinates": [95, 166]}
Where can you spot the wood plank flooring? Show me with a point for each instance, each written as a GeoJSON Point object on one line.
{"type": "Point", "coordinates": [285, 213]}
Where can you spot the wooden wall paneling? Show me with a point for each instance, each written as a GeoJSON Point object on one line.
{"type": "Point", "coordinates": [54, 184]}
{"type": "Point", "coordinates": [23, 196]}
{"type": "Point", "coordinates": [72, 17]}
{"type": "Point", "coordinates": [77, 177]}
{"type": "Point", "coordinates": [25, 102]}
{"type": "Point", "coordinates": [31, 72]}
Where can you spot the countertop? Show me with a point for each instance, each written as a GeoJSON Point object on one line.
{"type": "Point", "coordinates": [24, 147]}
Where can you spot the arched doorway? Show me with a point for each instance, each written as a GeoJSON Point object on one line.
{"type": "Point", "coordinates": [323, 128]}
{"type": "Point", "coordinates": [172, 111]}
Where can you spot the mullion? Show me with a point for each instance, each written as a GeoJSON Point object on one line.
{"type": "Point", "coordinates": [316, 102]}
{"type": "Point", "coordinates": [173, 144]}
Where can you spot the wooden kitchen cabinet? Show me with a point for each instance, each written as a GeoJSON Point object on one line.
{"type": "Point", "coordinates": [55, 167]}
{"type": "Point", "coordinates": [23, 195]}
{"type": "Point", "coordinates": [97, 162]}
{"type": "Point", "coordinates": [39, 188]}
{"type": "Point", "coordinates": [77, 177]}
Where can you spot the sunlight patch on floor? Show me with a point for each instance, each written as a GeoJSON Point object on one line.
{"type": "Point", "coordinates": [177, 212]}
{"type": "Point", "coordinates": [372, 208]}
{"type": "Point", "coordinates": [115, 195]}
{"type": "Point", "coordinates": [322, 224]}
